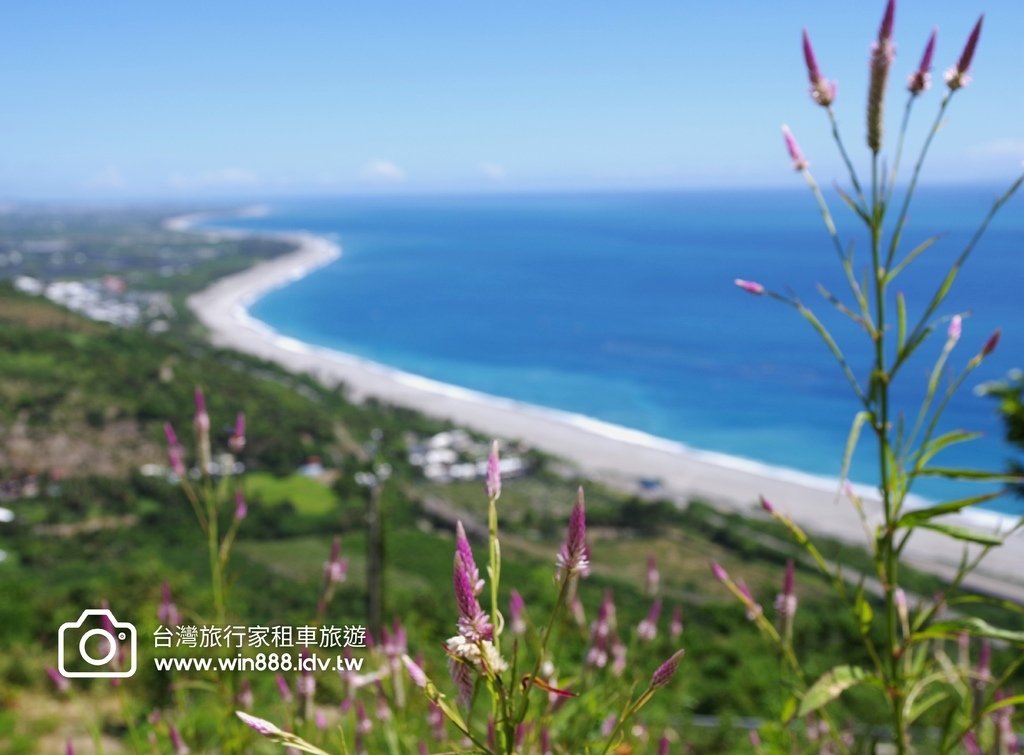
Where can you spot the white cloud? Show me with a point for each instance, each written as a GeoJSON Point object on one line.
{"type": "Point", "coordinates": [214, 178]}
{"type": "Point", "coordinates": [383, 171]}
{"type": "Point", "coordinates": [1005, 148]}
{"type": "Point", "coordinates": [493, 171]}
{"type": "Point", "coordinates": [110, 177]}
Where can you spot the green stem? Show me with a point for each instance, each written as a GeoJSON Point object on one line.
{"type": "Point", "coordinates": [563, 591]}
{"type": "Point", "coordinates": [846, 158]}
{"type": "Point", "coordinates": [901, 219]}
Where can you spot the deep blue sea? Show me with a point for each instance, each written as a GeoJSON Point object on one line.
{"type": "Point", "coordinates": [621, 306]}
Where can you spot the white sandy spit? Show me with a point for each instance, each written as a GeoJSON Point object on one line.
{"type": "Point", "coordinates": [614, 454]}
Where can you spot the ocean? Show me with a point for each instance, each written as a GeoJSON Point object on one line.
{"type": "Point", "coordinates": [621, 307]}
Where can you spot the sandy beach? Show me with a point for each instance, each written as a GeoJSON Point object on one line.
{"type": "Point", "coordinates": [613, 454]}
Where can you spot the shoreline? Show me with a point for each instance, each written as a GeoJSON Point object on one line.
{"type": "Point", "coordinates": [610, 453]}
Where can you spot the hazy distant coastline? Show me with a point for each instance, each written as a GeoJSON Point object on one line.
{"type": "Point", "coordinates": [613, 453]}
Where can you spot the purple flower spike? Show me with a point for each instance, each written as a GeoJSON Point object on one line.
{"type": "Point", "coordinates": [823, 91]}
{"type": "Point", "coordinates": [956, 77]}
{"type": "Point", "coordinates": [175, 454]}
{"type": "Point", "coordinates": [202, 419]}
{"type": "Point", "coordinates": [750, 287]}
{"type": "Point", "coordinates": [473, 622]}
{"type": "Point", "coordinates": [991, 343]}
{"type": "Point", "coordinates": [663, 745]}
{"type": "Point", "coordinates": [241, 507]}
{"type": "Point", "coordinates": [767, 505]}
{"type": "Point", "coordinates": [69, 748]}
{"type": "Point", "coordinates": [664, 673]}
{"type": "Point", "coordinates": [799, 161]}
{"type": "Point", "coordinates": [719, 573]}
{"type": "Point", "coordinates": [167, 614]}
{"type": "Point", "coordinates": [785, 601]}
{"type": "Point", "coordinates": [574, 557]}
{"type": "Point", "coordinates": [493, 473]}
{"type": "Point", "coordinates": [921, 79]}
{"type": "Point", "coordinates": [465, 552]}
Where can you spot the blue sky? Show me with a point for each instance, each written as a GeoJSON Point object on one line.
{"type": "Point", "coordinates": [161, 100]}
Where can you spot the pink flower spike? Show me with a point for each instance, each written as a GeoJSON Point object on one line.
{"type": "Point", "coordinates": [753, 607]}
{"type": "Point", "coordinates": [750, 287]}
{"type": "Point", "coordinates": [664, 673]}
{"type": "Point", "coordinates": [59, 681]}
{"type": "Point", "coordinates": [259, 725]}
{"type": "Point", "coordinates": [241, 507]}
{"type": "Point", "coordinates": [464, 550]}
{"type": "Point", "coordinates": [69, 748]}
{"type": "Point", "coordinates": [921, 79]}
{"type": "Point", "coordinates": [799, 161]}
{"type": "Point", "coordinates": [675, 627]}
{"type": "Point", "coordinates": [516, 609]}
{"type": "Point", "coordinates": [180, 748]}
{"type": "Point", "coordinates": [237, 441]}
{"type": "Point", "coordinates": [823, 91]}
{"type": "Point", "coordinates": [202, 419]}
{"type": "Point", "coordinates": [956, 77]}
{"type": "Point", "coordinates": [719, 573]}
{"type": "Point", "coordinates": [493, 473]}
{"type": "Point", "coordinates": [767, 505]}
{"type": "Point", "coordinates": [574, 557]}
{"type": "Point", "coordinates": [955, 328]}
{"type": "Point", "coordinates": [283, 689]}
{"type": "Point", "coordinates": [663, 745]}
{"type": "Point", "coordinates": [415, 672]}
{"type": "Point", "coordinates": [653, 578]}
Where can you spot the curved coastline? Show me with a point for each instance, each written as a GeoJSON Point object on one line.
{"type": "Point", "coordinates": [612, 453]}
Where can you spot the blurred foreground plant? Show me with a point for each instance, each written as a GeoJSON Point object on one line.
{"type": "Point", "coordinates": [508, 694]}
{"type": "Point", "coordinates": [910, 668]}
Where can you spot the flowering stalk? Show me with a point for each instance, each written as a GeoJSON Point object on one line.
{"type": "Point", "coordinates": [882, 54]}
{"type": "Point", "coordinates": [659, 679]}
{"type": "Point", "coordinates": [494, 545]}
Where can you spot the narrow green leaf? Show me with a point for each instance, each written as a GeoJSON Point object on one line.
{"type": "Point", "coordinates": [919, 516]}
{"type": "Point", "coordinates": [848, 201]}
{"type": "Point", "coordinates": [972, 625]}
{"type": "Point", "coordinates": [833, 347]}
{"type": "Point", "coordinates": [962, 533]}
{"type": "Point", "coordinates": [901, 321]}
{"type": "Point", "coordinates": [944, 441]}
{"type": "Point", "coordinates": [911, 256]}
{"type": "Point", "coordinates": [789, 710]}
{"type": "Point", "coordinates": [851, 442]}
{"type": "Point", "coordinates": [923, 704]}
{"type": "Point", "coordinates": [969, 474]}
{"type": "Point", "coordinates": [1006, 702]}
{"type": "Point", "coordinates": [829, 686]}
{"type": "Point", "coordinates": [863, 612]}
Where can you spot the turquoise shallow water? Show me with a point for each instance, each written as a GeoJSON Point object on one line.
{"type": "Point", "coordinates": [621, 307]}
